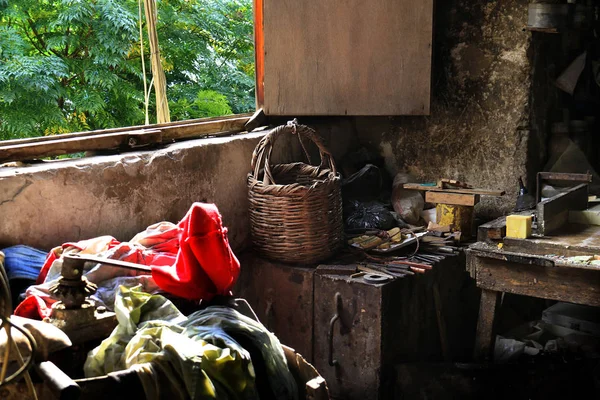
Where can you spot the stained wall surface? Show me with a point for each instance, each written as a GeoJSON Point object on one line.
{"type": "Point", "coordinates": [47, 204]}
{"type": "Point", "coordinates": [479, 130]}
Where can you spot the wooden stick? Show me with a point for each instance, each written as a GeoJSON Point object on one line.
{"type": "Point", "coordinates": [160, 82]}
{"type": "Point", "coordinates": [484, 192]}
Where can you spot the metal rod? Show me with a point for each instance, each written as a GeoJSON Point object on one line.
{"type": "Point", "coordinates": [112, 263]}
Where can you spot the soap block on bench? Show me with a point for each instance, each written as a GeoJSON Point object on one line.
{"type": "Point", "coordinates": [518, 226]}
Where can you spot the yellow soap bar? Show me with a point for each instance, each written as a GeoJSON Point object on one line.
{"type": "Point", "coordinates": [518, 226]}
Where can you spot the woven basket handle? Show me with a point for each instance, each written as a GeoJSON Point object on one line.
{"type": "Point", "coordinates": [262, 152]}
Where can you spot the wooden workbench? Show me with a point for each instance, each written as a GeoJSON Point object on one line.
{"type": "Point", "coordinates": [533, 267]}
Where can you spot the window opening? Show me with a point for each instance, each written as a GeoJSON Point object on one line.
{"type": "Point", "coordinates": [75, 65]}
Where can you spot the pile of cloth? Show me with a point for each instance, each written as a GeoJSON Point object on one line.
{"type": "Point", "coordinates": [190, 260]}
{"type": "Point", "coordinates": [214, 353]}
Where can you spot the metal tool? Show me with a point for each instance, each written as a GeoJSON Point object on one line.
{"type": "Point", "coordinates": [338, 312]}
{"type": "Point", "coordinates": [75, 313]}
{"type": "Point", "coordinates": [393, 269]}
{"type": "Point", "coordinates": [59, 383]}
{"type": "Point", "coordinates": [399, 272]}
{"type": "Point", "coordinates": [376, 278]}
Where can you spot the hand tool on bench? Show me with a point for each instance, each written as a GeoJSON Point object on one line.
{"type": "Point", "coordinates": [404, 269]}
{"type": "Point", "coordinates": [74, 313]}
{"type": "Point", "coordinates": [374, 270]}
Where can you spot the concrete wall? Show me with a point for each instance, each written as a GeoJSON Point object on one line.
{"type": "Point", "coordinates": [120, 195]}
{"type": "Point", "coordinates": [479, 129]}
{"type": "Point", "coordinates": [44, 205]}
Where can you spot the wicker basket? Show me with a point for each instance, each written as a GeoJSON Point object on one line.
{"type": "Point", "coordinates": [296, 209]}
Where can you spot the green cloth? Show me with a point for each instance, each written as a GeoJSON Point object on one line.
{"type": "Point", "coordinates": [261, 343]}
{"type": "Point", "coordinates": [190, 358]}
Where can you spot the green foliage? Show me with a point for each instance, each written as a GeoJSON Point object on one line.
{"type": "Point", "coordinates": [70, 65]}
{"type": "Point", "coordinates": [207, 103]}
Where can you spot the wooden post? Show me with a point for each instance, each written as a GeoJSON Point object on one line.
{"type": "Point", "coordinates": [460, 217]}
{"type": "Point", "coordinates": [485, 339]}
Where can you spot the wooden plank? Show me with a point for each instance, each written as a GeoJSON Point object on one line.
{"type": "Point", "coordinates": [259, 52]}
{"type": "Point", "coordinates": [553, 213]}
{"type": "Point", "coordinates": [201, 129]}
{"type": "Point", "coordinates": [493, 230]}
{"type": "Point", "coordinates": [574, 285]}
{"type": "Point", "coordinates": [282, 297]}
{"type": "Point", "coordinates": [257, 119]}
{"type": "Point", "coordinates": [132, 139]}
{"type": "Point", "coordinates": [456, 199]}
{"type": "Point", "coordinates": [359, 58]}
{"type": "Point", "coordinates": [171, 125]}
{"type": "Point", "coordinates": [559, 178]}
{"type": "Point", "coordinates": [437, 301]}
{"type": "Point", "coordinates": [122, 139]}
{"type": "Point", "coordinates": [511, 256]}
{"type": "Point", "coordinates": [496, 229]}
{"type": "Point", "coordinates": [445, 183]}
{"type": "Point", "coordinates": [482, 192]}
{"type": "Point", "coordinates": [574, 240]}
{"type": "Point", "coordinates": [518, 254]}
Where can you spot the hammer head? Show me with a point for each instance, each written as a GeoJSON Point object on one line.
{"type": "Point", "coordinates": [72, 267]}
{"type": "Point", "coordinates": [72, 288]}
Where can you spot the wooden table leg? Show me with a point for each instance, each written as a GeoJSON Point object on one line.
{"type": "Point", "coordinates": [484, 341]}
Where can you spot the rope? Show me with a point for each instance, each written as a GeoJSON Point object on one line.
{"type": "Point", "coordinates": [7, 325]}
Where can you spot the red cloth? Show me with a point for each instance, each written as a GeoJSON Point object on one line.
{"type": "Point", "coordinates": [205, 264]}
{"type": "Point", "coordinates": [35, 307]}
{"type": "Point", "coordinates": [192, 261]}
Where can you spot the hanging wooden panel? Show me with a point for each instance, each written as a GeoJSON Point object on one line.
{"type": "Point", "coordinates": [351, 57]}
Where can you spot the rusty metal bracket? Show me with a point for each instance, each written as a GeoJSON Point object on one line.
{"type": "Point", "coordinates": [558, 176]}
{"type": "Point", "coordinates": [338, 313]}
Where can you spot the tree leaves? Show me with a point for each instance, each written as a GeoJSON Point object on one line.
{"type": "Point", "coordinates": [68, 65]}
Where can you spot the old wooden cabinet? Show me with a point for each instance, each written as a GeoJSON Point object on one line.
{"type": "Point", "coordinates": [325, 57]}
{"type": "Point", "coordinates": [282, 298]}
{"type": "Point", "coordinates": [379, 325]}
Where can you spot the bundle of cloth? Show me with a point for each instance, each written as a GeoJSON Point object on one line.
{"type": "Point", "coordinates": [214, 353]}
{"type": "Point", "coordinates": [190, 260]}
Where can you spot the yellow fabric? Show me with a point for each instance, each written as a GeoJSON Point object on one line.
{"type": "Point", "coordinates": [170, 365]}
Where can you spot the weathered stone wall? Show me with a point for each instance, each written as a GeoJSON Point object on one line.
{"type": "Point", "coordinates": [120, 195]}
{"type": "Point", "coordinates": [479, 129]}
{"type": "Point", "coordinates": [44, 205]}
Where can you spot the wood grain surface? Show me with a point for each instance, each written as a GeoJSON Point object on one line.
{"type": "Point", "coordinates": [573, 285]}
{"type": "Point", "coordinates": [452, 198]}
{"type": "Point", "coordinates": [325, 57]}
